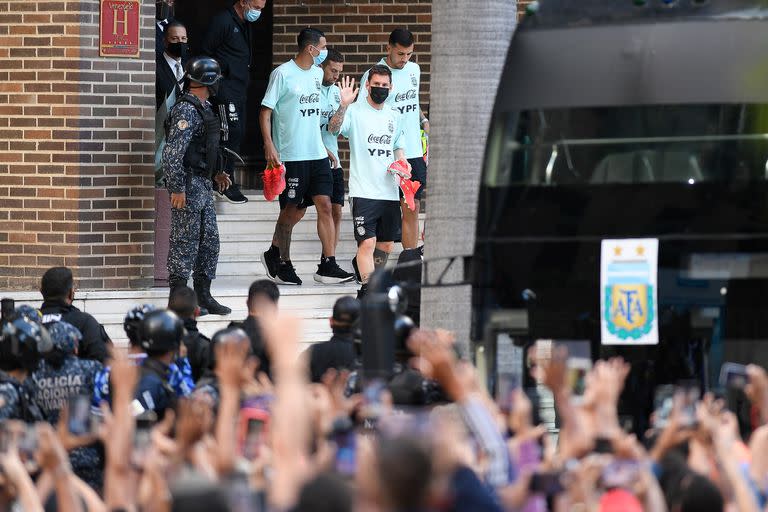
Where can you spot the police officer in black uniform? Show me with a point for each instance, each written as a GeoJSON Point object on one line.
{"type": "Point", "coordinates": [58, 290]}
{"type": "Point", "coordinates": [228, 40]}
{"type": "Point", "coordinates": [21, 343]}
{"type": "Point", "coordinates": [191, 157]}
{"type": "Point", "coordinates": [161, 333]}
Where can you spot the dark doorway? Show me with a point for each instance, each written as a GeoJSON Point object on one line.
{"type": "Point", "coordinates": [196, 14]}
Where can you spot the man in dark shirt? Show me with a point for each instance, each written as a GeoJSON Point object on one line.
{"type": "Point", "coordinates": [339, 352]}
{"type": "Point", "coordinates": [228, 40]}
{"type": "Point", "coordinates": [263, 296]}
{"type": "Point", "coordinates": [183, 302]}
{"type": "Point", "coordinates": [58, 290]}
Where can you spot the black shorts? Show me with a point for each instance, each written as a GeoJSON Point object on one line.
{"type": "Point", "coordinates": [376, 218]}
{"type": "Point", "coordinates": [337, 197]}
{"type": "Point", "coordinates": [418, 173]}
{"type": "Point", "coordinates": [306, 179]}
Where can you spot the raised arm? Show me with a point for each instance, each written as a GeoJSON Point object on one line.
{"type": "Point", "coordinates": [348, 95]}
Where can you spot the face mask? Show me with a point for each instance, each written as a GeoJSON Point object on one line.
{"type": "Point", "coordinates": [252, 15]}
{"type": "Point", "coordinates": [379, 94]}
{"type": "Point", "coordinates": [321, 57]}
{"type": "Point", "coordinates": [178, 50]}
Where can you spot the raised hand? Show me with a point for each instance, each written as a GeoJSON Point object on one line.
{"type": "Point", "coordinates": [348, 91]}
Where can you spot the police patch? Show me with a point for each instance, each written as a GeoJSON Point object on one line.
{"type": "Point", "coordinates": [182, 124]}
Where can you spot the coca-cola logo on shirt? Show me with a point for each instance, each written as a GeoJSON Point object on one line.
{"type": "Point", "coordinates": [403, 96]}
{"type": "Point", "coordinates": [309, 98]}
{"type": "Point", "coordinates": [379, 139]}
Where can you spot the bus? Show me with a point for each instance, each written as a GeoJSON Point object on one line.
{"type": "Point", "coordinates": [621, 120]}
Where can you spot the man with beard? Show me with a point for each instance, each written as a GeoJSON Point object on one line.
{"type": "Point", "coordinates": [404, 99]}
{"type": "Point", "coordinates": [330, 99]}
{"type": "Point", "coordinates": [376, 140]}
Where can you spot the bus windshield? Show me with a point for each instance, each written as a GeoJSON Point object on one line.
{"type": "Point", "coordinates": [629, 145]}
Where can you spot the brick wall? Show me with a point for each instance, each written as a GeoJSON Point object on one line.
{"type": "Point", "coordinates": [76, 148]}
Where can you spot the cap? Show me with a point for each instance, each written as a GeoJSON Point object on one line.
{"type": "Point", "coordinates": [346, 311]}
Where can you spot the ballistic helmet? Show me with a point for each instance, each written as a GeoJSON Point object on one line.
{"type": "Point", "coordinates": [161, 332]}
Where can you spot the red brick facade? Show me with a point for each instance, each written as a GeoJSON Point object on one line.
{"type": "Point", "coordinates": [77, 130]}
{"type": "Point", "coordinates": [76, 148]}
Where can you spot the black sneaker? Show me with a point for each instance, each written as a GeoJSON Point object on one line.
{"type": "Point", "coordinates": [362, 292]}
{"type": "Point", "coordinates": [286, 274]}
{"type": "Point", "coordinates": [271, 262]}
{"type": "Point", "coordinates": [233, 195]}
{"type": "Point", "coordinates": [329, 272]}
{"type": "Point", "coordinates": [358, 278]}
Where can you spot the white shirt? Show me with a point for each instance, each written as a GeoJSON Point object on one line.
{"type": "Point", "coordinates": [178, 71]}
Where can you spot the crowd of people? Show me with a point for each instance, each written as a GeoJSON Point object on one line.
{"type": "Point", "coordinates": [303, 112]}
{"type": "Point", "coordinates": [246, 421]}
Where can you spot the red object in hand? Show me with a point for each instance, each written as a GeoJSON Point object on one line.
{"type": "Point", "coordinates": [400, 168]}
{"type": "Point", "coordinates": [409, 189]}
{"type": "Point", "coordinates": [274, 182]}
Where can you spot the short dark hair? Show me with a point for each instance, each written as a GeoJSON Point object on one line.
{"type": "Point", "coordinates": [265, 288]}
{"type": "Point", "coordinates": [402, 37]}
{"type": "Point", "coordinates": [309, 36]}
{"type": "Point", "coordinates": [381, 70]}
{"type": "Point", "coordinates": [334, 55]}
{"type": "Point", "coordinates": [56, 283]}
{"type": "Point", "coordinates": [173, 24]}
{"type": "Point", "coordinates": [183, 301]}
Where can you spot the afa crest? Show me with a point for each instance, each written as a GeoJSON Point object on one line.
{"type": "Point", "coordinates": [629, 292]}
{"type": "Point", "coordinates": [414, 81]}
{"type": "Point", "coordinates": [629, 311]}
{"type": "Point", "coordinates": [391, 126]}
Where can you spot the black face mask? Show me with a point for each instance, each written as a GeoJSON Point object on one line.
{"type": "Point", "coordinates": [379, 94]}
{"type": "Point", "coordinates": [178, 50]}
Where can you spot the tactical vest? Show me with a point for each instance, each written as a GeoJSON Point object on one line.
{"type": "Point", "coordinates": [29, 411]}
{"type": "Point", "coordinates": [159, 373]}
{"type": "Point", "coordinates": [203, 154]}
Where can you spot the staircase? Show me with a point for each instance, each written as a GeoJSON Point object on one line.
{"type": "Point", "coordinates": [245, 231]}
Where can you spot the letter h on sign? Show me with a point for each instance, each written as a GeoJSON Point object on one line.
{"type": "Point", "coordinates": [117, 21]}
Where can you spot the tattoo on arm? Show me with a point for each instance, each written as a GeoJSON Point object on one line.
{"type": "Point", "coordinates": [283, 240]}
{"type": "Point", "coordinates": [334, 126]}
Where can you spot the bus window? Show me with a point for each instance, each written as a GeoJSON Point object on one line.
{"type": "Point", "coordinates": [629, 145]}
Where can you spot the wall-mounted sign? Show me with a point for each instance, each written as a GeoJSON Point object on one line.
{"type": "Point", "coordinates": [629, 292]}
{"type": "Point", "coordinates": [119, 28]}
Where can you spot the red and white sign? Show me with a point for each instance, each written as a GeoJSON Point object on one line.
{"type": "Point", "coordinates": [119, 28]}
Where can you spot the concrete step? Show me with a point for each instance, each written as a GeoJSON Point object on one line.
{"type": "Point", "coordinates": [264, 225]}
{"type": "Point", "coordinates": [248, 265]}
{"type": "Point", "coordinates": [301, 244]}
{"type": "Point", "coordinates": [311, 303]}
